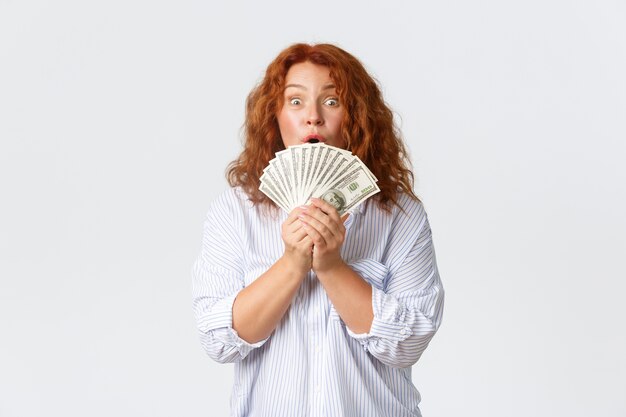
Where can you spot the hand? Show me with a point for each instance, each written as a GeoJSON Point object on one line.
{"type": "Point", "coordinates": [298, 244]}
{"type": "Point", "coordinates": [325, 228]}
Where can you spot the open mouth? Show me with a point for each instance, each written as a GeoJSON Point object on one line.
{"type": "Point", "coordinates": [313, 139]}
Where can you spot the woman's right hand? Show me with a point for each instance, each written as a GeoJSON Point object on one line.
{"type": "Point", "coordinates": [298, 245]}
{"type": "Point", "coordinates": [259, 307]}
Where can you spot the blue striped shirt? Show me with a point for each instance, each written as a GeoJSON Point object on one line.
{"type": "Point", "coordinates": [313, 364]}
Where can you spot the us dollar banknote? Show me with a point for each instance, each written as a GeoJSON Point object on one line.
{"type": "Point", "coordinates": [302, 172]}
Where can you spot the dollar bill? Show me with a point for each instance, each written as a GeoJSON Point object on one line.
{"type": "Point", "coordinates": [270, 179]}
{"type": "Point", "coordinates": [317, 170]}
{"type": "Point", "coordinates": [270, 191]}
{"type": "Point", "coordinates": [349, 191]}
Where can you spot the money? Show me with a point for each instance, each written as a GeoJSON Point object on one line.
{"type": "Point", "coordinates": [316, 170]}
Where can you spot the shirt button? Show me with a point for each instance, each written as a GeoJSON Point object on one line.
{"type": "Point", "coordinates": [403, 332]}
{"type": "Point", "coordinates": [317, 389]}
{"type": "Point", "coordinates": [317, 348]}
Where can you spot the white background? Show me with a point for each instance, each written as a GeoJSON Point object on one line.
{"type": "Point", "coordinates": [118, 118]}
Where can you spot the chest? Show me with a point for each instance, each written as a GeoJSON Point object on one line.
{"type": "Point", "coordinates": [262, 244]}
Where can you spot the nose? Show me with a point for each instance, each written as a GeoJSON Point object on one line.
{"type": "Point", "coordinates": [314, 118]}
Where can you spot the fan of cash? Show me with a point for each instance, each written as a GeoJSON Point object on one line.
{"type": "Point", "coordinates": [302, 172]}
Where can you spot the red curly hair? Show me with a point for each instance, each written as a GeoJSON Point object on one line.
{"type": "Point", "coordinates": [367, 125]}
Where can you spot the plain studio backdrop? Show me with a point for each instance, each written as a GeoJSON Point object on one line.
{"type": "Point", "coordinates": [117, 121]}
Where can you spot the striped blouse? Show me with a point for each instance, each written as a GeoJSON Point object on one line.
{"type": "Point", "coordinates": [313, 364]}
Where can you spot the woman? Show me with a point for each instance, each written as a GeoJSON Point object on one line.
{"type": "Point", "coordinates": [321, 315]}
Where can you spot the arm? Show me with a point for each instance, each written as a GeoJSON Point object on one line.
{"type": "Point", "coordinates": [233, 320]}
{"type": "Point", "coordinates": [260, 306]}
{"type": "Point", "coordinates": [323, 224]}
{"type": "Point", "coordinates": [407, 309]}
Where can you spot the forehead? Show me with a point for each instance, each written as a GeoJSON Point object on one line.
{"type": "Point", "coordinates": [308, 72]}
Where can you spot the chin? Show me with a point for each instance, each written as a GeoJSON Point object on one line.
{"type": "Point", "coordinates": [340, 145]}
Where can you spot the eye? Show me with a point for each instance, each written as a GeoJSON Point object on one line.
{"type": "Point", "coordinates": [295, 101]}
{"type": "Point", "coordinates": [332, 102]}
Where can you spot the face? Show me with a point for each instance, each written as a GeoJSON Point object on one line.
{"type": "Point", "coordinates": [335, 198]}
{"type": "Point", "coordinates": [311, 110]}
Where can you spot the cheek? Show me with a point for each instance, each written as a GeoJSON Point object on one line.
{"type": "Point", "coordinates": [336, 121]}
{"type": "Point", "coordinates": [286, 122]}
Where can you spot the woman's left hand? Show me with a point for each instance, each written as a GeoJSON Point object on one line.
{"type": "Point", "coordinates": [322, 223]}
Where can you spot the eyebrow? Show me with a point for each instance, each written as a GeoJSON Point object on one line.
{"type": "Point", "coordinates": [326, 87]}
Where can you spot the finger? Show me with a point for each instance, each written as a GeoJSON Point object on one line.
{"type": "Point", "coordinates": [306, 241]}
{"type": "Point", "coordinates": [332, 219]}
{"type": "Point", "coordinates": [315, 236]}
{"type": "Point", "coordinates": [334, 226]}
{"type": "Point", "coordinates": [319, 227]}
{"type": "Point", "coordinates": [327, 208]}
{"type": "Point", "coordinates": [310, 220]}
{"type": "Point", "coordinates": [296, 225]}
{"type": "Point", "coordinates": [298, 235]}
{"type": "Point", "coordinates": [293, 216]}
{"type": "Point", "coordinates": [316, 213]}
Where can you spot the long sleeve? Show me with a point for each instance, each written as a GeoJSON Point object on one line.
{"type": "Point", "coordinates": [408, 302]}
{"type": "Point", "coordinates": [217, 278]}
{"type": "Point", "coordinates": [337, 373]}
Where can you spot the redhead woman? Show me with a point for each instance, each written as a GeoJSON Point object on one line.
{"type": "Point", "coordinates": [322, 315]}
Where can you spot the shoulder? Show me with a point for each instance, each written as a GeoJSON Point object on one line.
{"type": "Point", "coordinates": [234, 206]}
{"type": "Point", "coordinates": [409, 215]}
{"type": "Point", "coordinates": [230, 198]}
{"type": "Point", "coordinates": [406, 208]}
{"type": "Point", "coordinates": [228, 203]}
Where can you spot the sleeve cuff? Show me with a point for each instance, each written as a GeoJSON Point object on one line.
{"type": "Point", "coordinates": [229, 336]}
{"type": "Point", "coordinates": [370, 270]}
{"type": "Point", "coordinates": [220, 315]}
{"type": "Point", "coordinates": [388, 320]}
{"type": "Point", "coordinates": [220, 322]}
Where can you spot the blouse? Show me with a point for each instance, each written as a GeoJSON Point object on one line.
{"type": "Point", "coordinates": [313, 364]}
